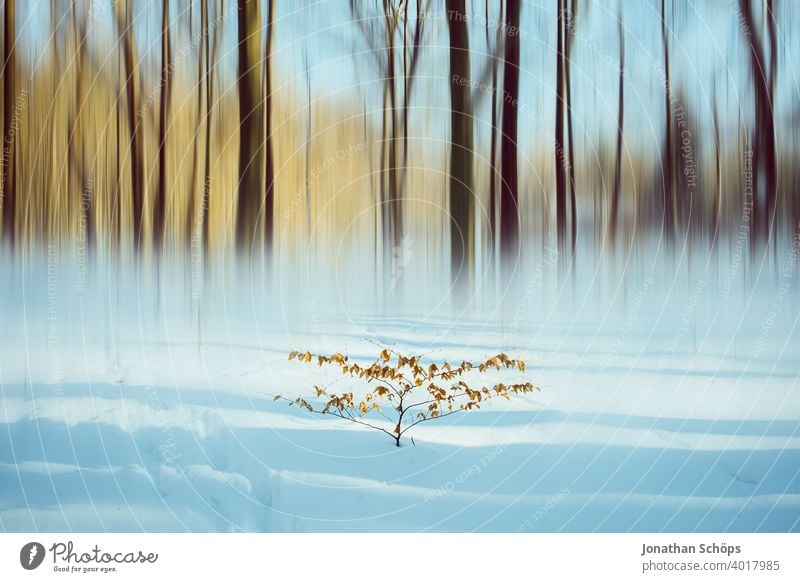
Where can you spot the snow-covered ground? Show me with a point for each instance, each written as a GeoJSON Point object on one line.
{"type": "Point", "coordinates": [658, 412]}
{"type": "Point", "coordinates": [175, 437]}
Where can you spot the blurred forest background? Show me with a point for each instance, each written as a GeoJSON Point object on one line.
{"type": "Point", "coordinates": [468, 137]}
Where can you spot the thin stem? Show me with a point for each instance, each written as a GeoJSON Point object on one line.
{"type": "Point", "coordinates": [427, 418]}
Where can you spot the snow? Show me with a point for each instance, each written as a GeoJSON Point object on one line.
{"type": "Point", "coordinates": [659, 411]}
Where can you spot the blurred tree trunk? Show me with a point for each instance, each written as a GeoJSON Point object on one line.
{"type": "Point", "coordinates": [249, 226]}
{"type": "Point", "coordinates": [560, 152]}
{"type": "Point", "coordinates": [668, 195]}
{"type": "Point", "coordinates": [765, 167]}
{"type": "Point", "coordinates": [493, 141]}
{"type": "Point", "coordinates": [211, 67]}
{"type": "Point", "coordinates": [772, 162]}
{"type": "Point", "coordinates": [615, 195]}
{"type": "Point", "coordinates": [767, 114]}
{"type": "Point", "coordinates": [509, 210]}
{"type": "Point", "coordinates": [309, 129]}
{"type": "Point", "coordinates": [159, 212]}
{"type": "Point", "coordinates": [191, 210]}
{"type": "Point", "coordinates": [269, 170]}
{"type": "Point", "coordinates": [570, 19]}
{"type": "Point", "coordinates": [54, 177]}
{"type": "Point", "coordinates": [405, 88]}
{"type": "Point", "coordinates": [126, 33]}
{"type": "Point", "coordinates": [715, 208]}
{"type": "Point", "coordinates": [392, 173]}
{"type": "Point", "coordinates": [462, 201]}
{"type": "Point", "coordinates": [8, 179]}
{"type": "Point", "coordinates": [395, 222]}
{"type": "Point", "coordinates": [75, 145]}
{"type": "Point", "coordinates": [386, 189]}
{"type": "Point", "coordinates": [410, 62]}
{"type": "Point", "coordinates": [117, 205]}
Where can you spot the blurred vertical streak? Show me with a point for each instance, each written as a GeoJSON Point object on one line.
{"type": "Point", "coordinates": [51, 195]}
{"type": "Point", "coordinates": [269, 170]}
{"type": "Point", "coordinates": [307, 182]}
{"type": "Point", "coordinates": [391, 16]}
{"type": "Point", "coordinates": [208, 186]}
{"type": "Point", "coordinates": [159, 218]}
{"type": "Point", "coordinates": [509, 205]}
{"type": "Point", "coordinates": [494, 55]}
{"type": "Point", "coordinates": [8, 178]}
{"type": "Point", "coordinates": [669, 195]}
{"type": "Point", "coordinates": [772, 192]}
{"type": "Point", "coordinates": [764, 156]}
{"type": "Point", "coordinates": [405, 89]}
{"type": "Point", "coordinates": [559, 145]}
{"type": "Point", "coordinates": [249, 226]}
{"type": "Point", "coordinates": [191, 227]}
{"type": "Point", "coordinates": [615, 194]}
{"type": "Point", "coordinates": [77, 152]}
{"type": "Point", "coordinates": [410, 64]}
{"type": "Point", "coordinates": [381, 46]}
{"type": "Point", "coordinates": [118, 161]}
{"type": "Point", "coordinates": [126, 39]}
{"type": "Point", "coordinates": [717, 201]}
{"type": "Point", "coordinates": [462, 197]}
{"type": "Point", "coordinates": [571, 22]}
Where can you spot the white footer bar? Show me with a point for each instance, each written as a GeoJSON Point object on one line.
{"type": "Point", "coordinates": [396, 557]}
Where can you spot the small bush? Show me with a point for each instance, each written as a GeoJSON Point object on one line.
{"type": "Point", "coordinates": [406, 392]}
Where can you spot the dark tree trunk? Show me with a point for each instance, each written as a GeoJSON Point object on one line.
{"type": "Point", "coordinates": [668, 195]}
{"type": "Point", "coordinates": [76, 140]}
{"type": "Point", "coordinates": [715, 208]}
{"type": "Point", "coordinates": [409, 74]}
{"type": "Point", "coordinates": [389, 204]}
{"type": "Point", "coordinates": [269, 169]}
{"type": "Point", "coordinates": [249, 226]}
{"type": "Point", "coordinates": [573, 203]}
{"type": "Point", "coordinates": [125, 28]}
{"type": "Point", "coordinates": [191, 210]}
{"type": "Point", "coordinates": [159, 212]}
{"type": "Point", "coordinates": [395, 205]}
{"type": "Point", "coordinates": [385, 199]}
{"type": "Point", "coordinates": [764, 155]}
{"type": "Point", "coordinates": [54, 178]}
{"type": "Point", "coordinates": [462, 227]}
{"type": "Point", "coordinates": [492, 143]}
{"type": "Point", "coordinates": [509, 210]}
{"type": "Point", "coordinates": [210, 81]}
{"type": "Point", "coordinates": [615, 195]}
{"type": "Point", "coordinates": [405, 87]}
{"type": "Point", "coordinates": [8, 179]}
{"type": "Point", "coordinates": [560, 154]}
{"type": "Point", "coordinates": [772, 158]}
